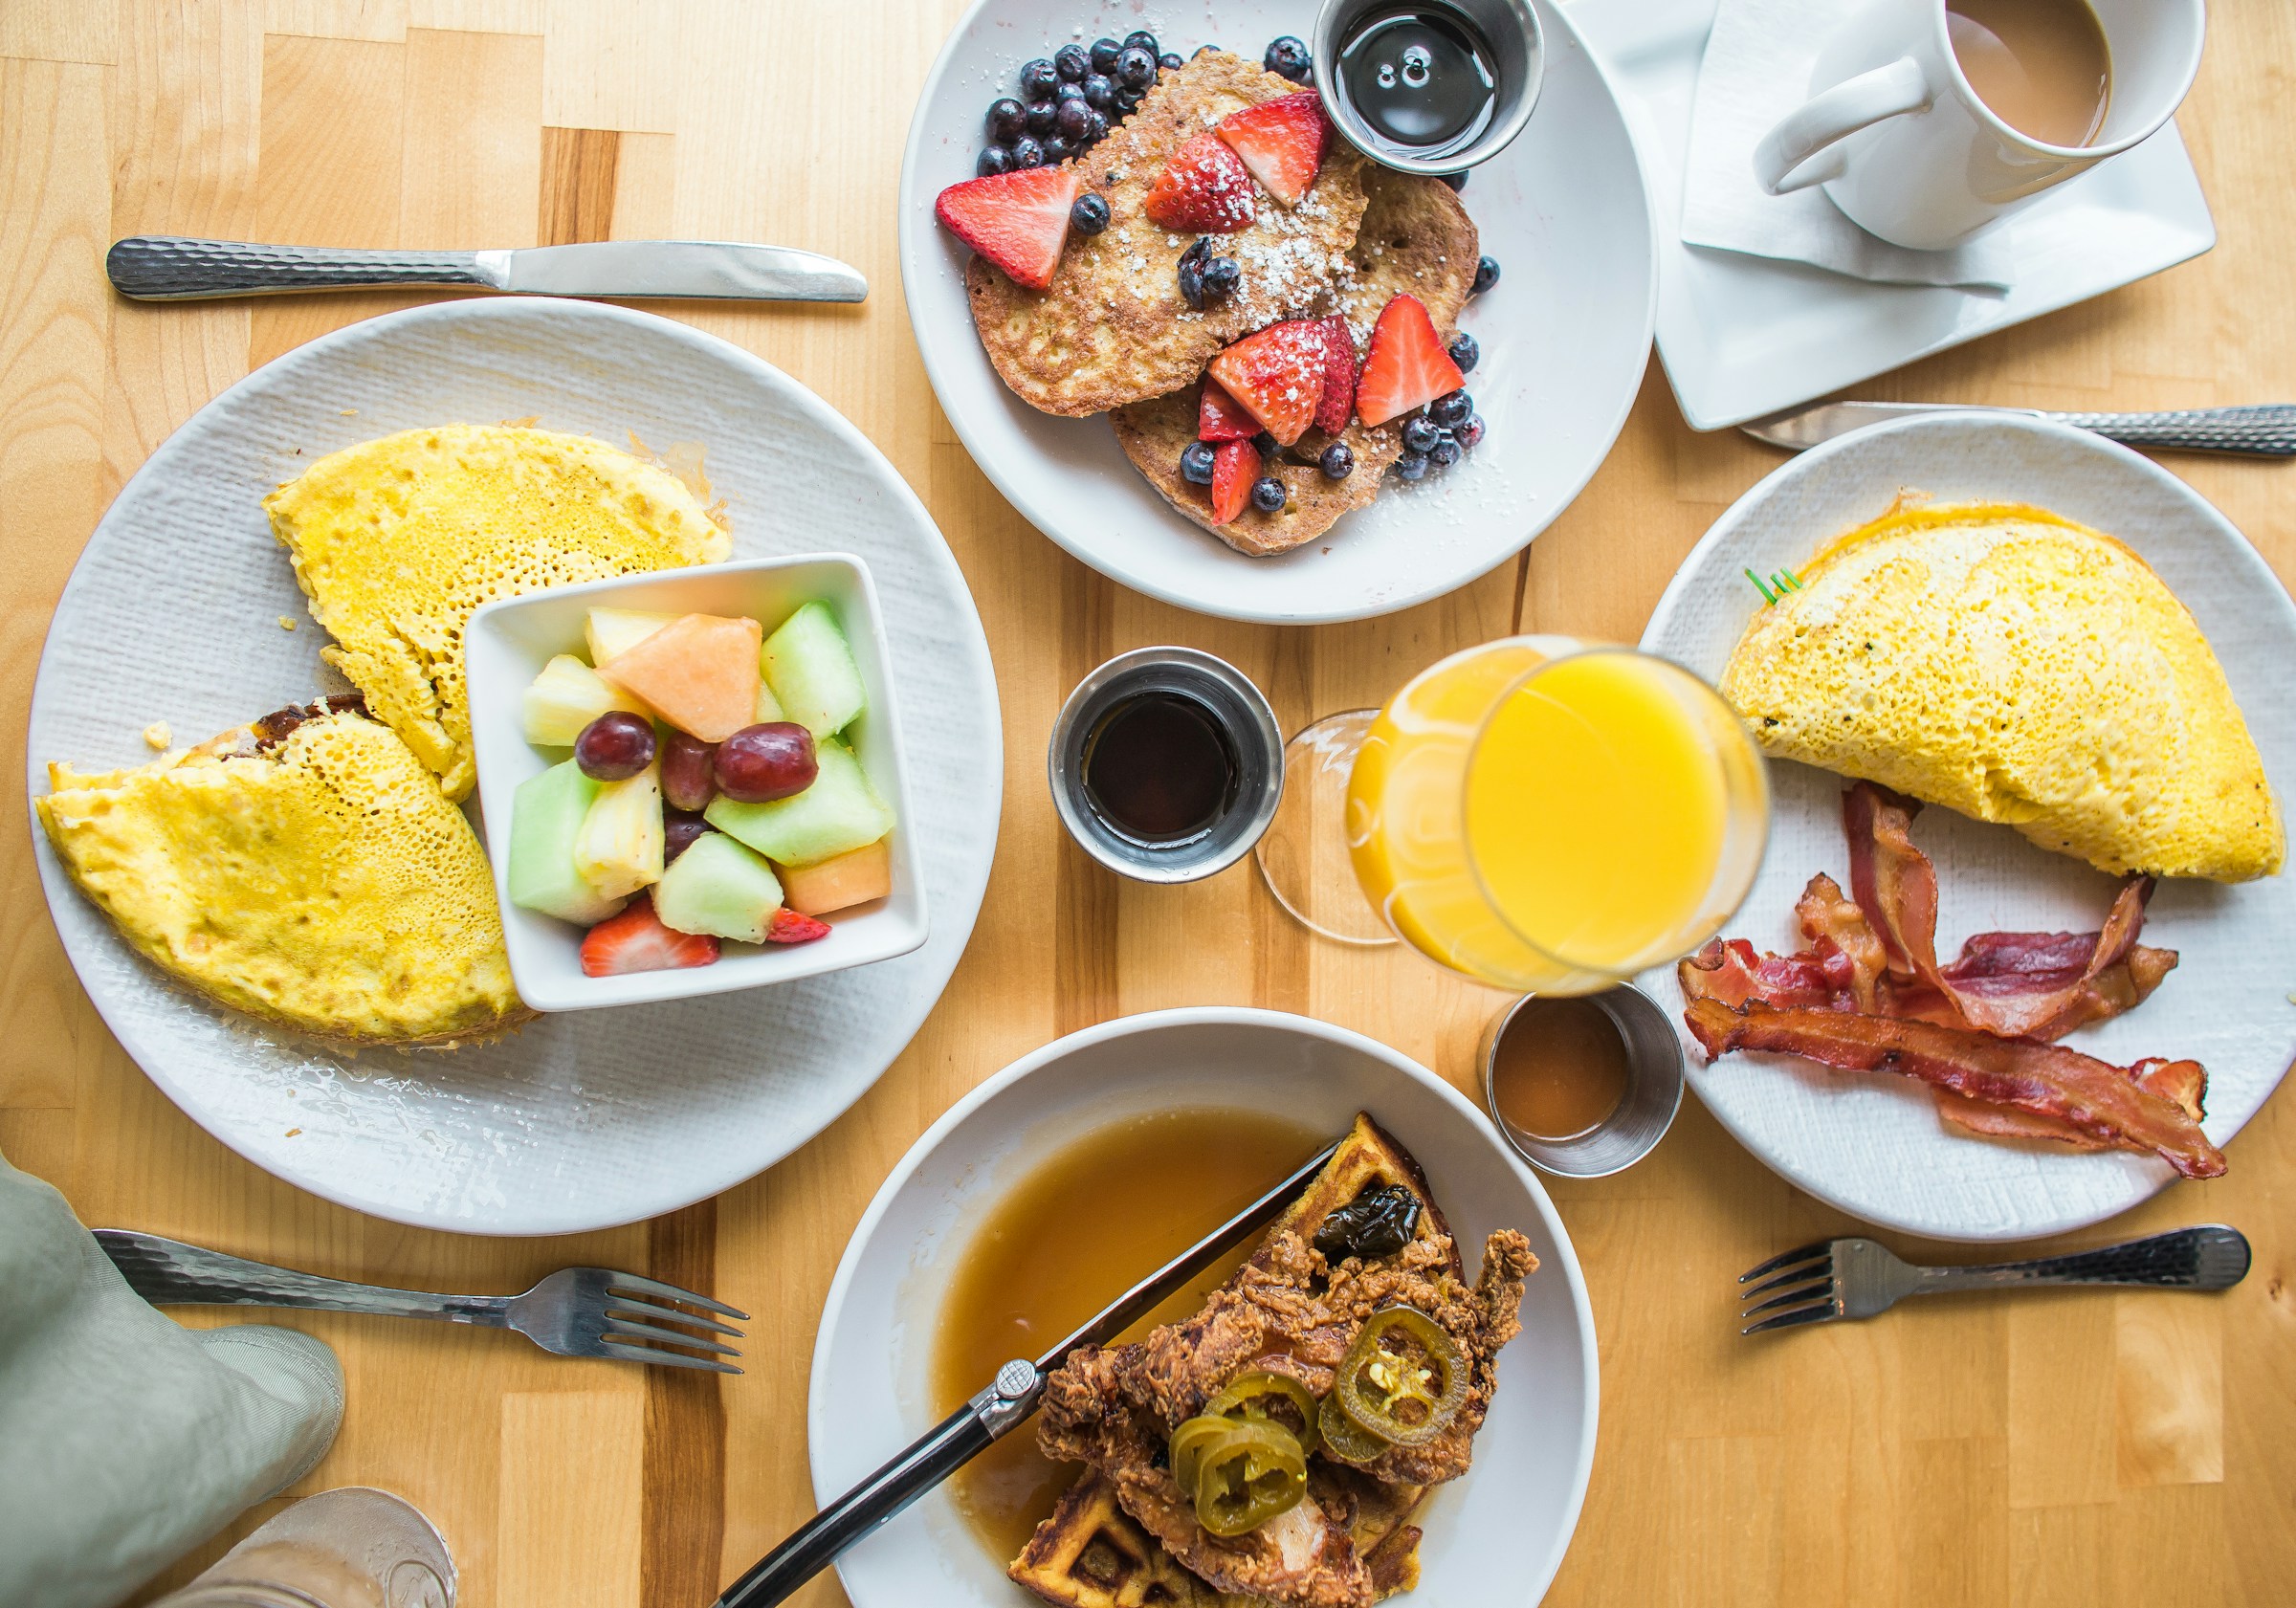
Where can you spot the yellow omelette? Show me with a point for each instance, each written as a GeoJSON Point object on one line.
{"type": "Point", "coordinates": [2005, 662]}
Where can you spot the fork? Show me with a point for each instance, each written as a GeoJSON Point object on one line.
{"type": "Point", "coordinates": [1859, 1278]}
{"type": "Point", "coordinates": [576, 1311]}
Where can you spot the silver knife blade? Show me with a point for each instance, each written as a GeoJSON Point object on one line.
{"type": "Point", "coordinates": [683, 270]}
{"type": "Point", "coordinates": [1807, 426]}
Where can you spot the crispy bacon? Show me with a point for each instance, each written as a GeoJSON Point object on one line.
{"type": "Point", "coordinates": [2182, 1082]}
{"type": "Point", "coordinates": [2103, 1102]}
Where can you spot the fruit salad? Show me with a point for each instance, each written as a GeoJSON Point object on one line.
{"type": "Point", "coordinates": [707, 796]}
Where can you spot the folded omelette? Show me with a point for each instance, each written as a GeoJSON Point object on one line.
{"type": "Point", "coordinates": [306, 869]}
{"type": "Point", "coordinates": [2009, 664]}
{"type": "Point", "coordinates": [398, 540]}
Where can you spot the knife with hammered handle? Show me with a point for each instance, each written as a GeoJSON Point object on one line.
{"type": "Point", "coordinates": [2267, 431]}
{"type": "Point", "coordinates": [162, 268]}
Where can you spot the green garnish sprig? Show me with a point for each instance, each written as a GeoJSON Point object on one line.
{"type": "Point", "coordinates": [1780, 584]}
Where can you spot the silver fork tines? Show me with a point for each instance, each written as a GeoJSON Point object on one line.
{"type": "Point", "coordinates": [1858, 1278]}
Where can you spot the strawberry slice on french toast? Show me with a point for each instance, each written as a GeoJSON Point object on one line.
{"type": "Point", "coordinates": [1019, 221]}
{"type": "Point", "coordinates": [1282, 141]}
{"type": "Point", "coordinates": [1406, 366]}
{"type": "Point", "coordinates": [1204, 189]}
{"type": "Point", "coordinates": [1277, 375]}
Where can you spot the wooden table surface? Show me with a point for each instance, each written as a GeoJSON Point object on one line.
{"type": "Point", "coordinates": [2079, 1447]}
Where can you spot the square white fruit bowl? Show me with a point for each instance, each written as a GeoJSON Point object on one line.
{"type": "Point", "coordinates": [506, 646]}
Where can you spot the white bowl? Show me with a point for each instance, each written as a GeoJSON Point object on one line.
{"type": "Point", "coordinates": [506, 646]}
{"type": "Point", "coordinates": [1494, 1536]}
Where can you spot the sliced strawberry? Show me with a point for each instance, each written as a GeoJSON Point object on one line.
{"type": "Point", "coordinates": [787, 926]}
{"type": "Point", "coordinates": [1235, 465]}
{"type": "Point", "coordinates": [1281, 140]}
{"type": "Point", "coordinates": [1017, 220]}
{"type": "Point", "coordinates": [1339, 403]}
{"type": "Point", "coordinates": [1277, 375]}
{"type": "Point", "coordinates": [1204, 189]}
{"type": "Point", "coordinates": [1406, 366]}
{"type": "Point", "coordinates": [1221, 417]}
{"type": "Point", "coordinates": [637, 941]}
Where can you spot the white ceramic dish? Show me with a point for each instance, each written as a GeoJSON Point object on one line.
{"type": "Point", "coordinates": [1743, 336]}
{"type": "Point", "coordinates": [1872, 1143]}
{"type": "Point", "coordinates": [506, 646]}
{"type": "Point", "coordinates": [584, 1119]}
{"type": "Point", "coordinates": [1494, 1536]}
{"type": "Point", "coordinates": [1565, 337]}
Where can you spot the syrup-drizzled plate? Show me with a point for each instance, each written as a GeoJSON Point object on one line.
{"type": "Point", "coordinates": [1565, 336]}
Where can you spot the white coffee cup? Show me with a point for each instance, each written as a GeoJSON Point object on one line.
{"type": "Point", "coordinates": [1906, 149]}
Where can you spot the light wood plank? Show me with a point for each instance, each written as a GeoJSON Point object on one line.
{"type": "Point", "coordinates": [571, 1541]}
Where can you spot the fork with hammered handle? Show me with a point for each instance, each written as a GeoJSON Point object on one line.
{"type": "Point", "coordinates": [576, 1311]}
{"type": "Point", "coordinates": [1859, 1278]}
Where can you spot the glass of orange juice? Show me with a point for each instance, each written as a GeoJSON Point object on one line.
{"type": "Point", "coordinates": [1542, 814]}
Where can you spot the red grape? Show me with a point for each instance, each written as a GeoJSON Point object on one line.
{"type": "Point", "coordinates": [760, 763]}
{"type": "Point", "coordinates": [616, 746]}
{"type": "Point", "coordinates": [687, 783]}
{"type": "Point", "coordinates": [680, 828]}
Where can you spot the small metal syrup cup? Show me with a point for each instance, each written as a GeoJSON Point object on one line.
{"type": "Point", "coordinates": [1509, 27]}
{"type": "Point", "coordinates": [1645, 1110]}
{"type": "Point", "coordinates": [1241, 709]}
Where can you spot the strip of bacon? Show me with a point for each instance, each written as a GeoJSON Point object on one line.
{"type": "Point", "coordinates": [2181, 1082]}
{"type": "Point", "coordinates": [2102, 1101]}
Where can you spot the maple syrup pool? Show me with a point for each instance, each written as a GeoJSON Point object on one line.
{"type": "Point", "coordinates": [1090, 1222]}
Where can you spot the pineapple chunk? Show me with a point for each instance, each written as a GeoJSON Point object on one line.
{"type": "Point", "coordinates": [617, 630]}
{"type": "Point", "coordinates": [768, 710]}
{"type": "Point", "coordinates": [618, 849]}
{"type": "Point", "coordinates": [568, 695]}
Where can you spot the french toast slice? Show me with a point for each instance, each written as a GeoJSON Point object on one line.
{"type": "Point", "coordinates": [1112, 327]}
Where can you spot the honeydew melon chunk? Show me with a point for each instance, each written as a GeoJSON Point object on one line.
{"type": "Point", "coordinates": [809, 665]}
{"type": "Point", "coordinates": [617, 630]}
{"type": "Point", "coordinates": [719, 888]}
{"type": "Point", "coordinates": [855, 878]}
{"type": "Point", "coordinates": [567, 697]}
{"type": "Point", "coordinates": [619, 849]}
{"type": "Point", "coordinates": [841, 812]}
{"type": "Point", "coordinates": [546, 813]}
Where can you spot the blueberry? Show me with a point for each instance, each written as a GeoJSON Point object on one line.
{"type": "Point", "coordinates": [1487, 275]}
{"type": "Point", "coordinates": [1104, 55]}
{"type": "Point", "coordinates": [1038, 78]}
{"type": "Point", "coordinates": [1143, 40]}
{"type": "Point", "coordinates": [1222, 274]}
{"type": "Point", "coordinates": [1196, 463]}
{"type": "Point", "coordinates": [1057, 151]}
{"type": "Point", "coordinates": [1069, 121]}
{"type": "Point", "coordinates": [1412, 466]}
{"type": "Point", "coordinates": [1268, 493]}
{"type": "Point", "coordinates": [1200, 49]}
{"type": "Point", "coordinates": [1169, 60]}
{"type": "Point", "coordinates": [1135, 68]}
{"type": "Point", "coordinates": [1071, 61]}
{"type": "Point", "coordinates": [1472, 432]}
{"type": "Point", "coordinates": [1095, 128]}
{"type": "Point", "coordinates": [1451, 411]}
{"type": "Point", "coordinates": [1191, 272]}
{"type": "Point", "coordinates": [1005, 119]}
{"type": "Point", "coordinates": [1465, 351]}
{"type": "Point", "coordinates": [996, 159]}
{"type": "Point", "coordinates": [1421, 432]}
{"type": "Point", "coordinates": [1446, 452]}
{"type": "Point", "coordinates": [1068, 92]}
{"type": "Point", "coordinates": [1457, 181]}
{"type": "Point", "coordinates": [1040, 117]}
{"type": "Point", "coordinates": [1128, 101]}
{"type": "Point", "coordinates": [1100, 92]}
{"type": "Point", "coordinates": [1289, 56]}
{"type": "Point", "coordinates": [1338, 462]}
{"type": "Point", "coordinates": [1265, 445]}
{"type": "Point", "coordinates": [1027, 153]}
{"type": "Point", "coordinates": [1089, 215]}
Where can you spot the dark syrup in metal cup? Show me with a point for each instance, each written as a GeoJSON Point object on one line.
{"type": "Point", "coordinates": [1430, 86]}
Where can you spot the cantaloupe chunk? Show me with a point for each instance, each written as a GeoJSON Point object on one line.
{"type": "Point", "coordinates": [698, 673]}
{"type": "Point", "coordinates": [852, 878]}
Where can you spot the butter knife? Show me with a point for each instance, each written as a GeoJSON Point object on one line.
{"type": "Point", "coordinates": [1001, 1407]}
{"type": "Point", "coordinates": [162, 268]}
{"type": "Point", "coordinates": [2265, 432]}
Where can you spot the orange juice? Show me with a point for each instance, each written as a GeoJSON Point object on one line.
{"type": "Point", "coordinates": [1549, 817]}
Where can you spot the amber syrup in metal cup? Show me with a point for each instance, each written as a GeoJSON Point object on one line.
{"type": "Point", "coordinates": [1582, 1086]}
{"type": "Point", "coordinates": [1430, 86]}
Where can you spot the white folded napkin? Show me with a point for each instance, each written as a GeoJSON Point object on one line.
{"type": "Point", "coordinates": [126, 1440]}
{"type": "Point", "coordinates": [1758, 66]}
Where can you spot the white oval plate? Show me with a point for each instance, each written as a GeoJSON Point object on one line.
{"type": "Point", "coordinates": [579, 1121]}
{"type": "Point", "coordinates": [1872, 1144]}
{"type": "Point", "coordinates": [1565, 336]}
{"type": "Point", "coordinates": [1494, 1536]}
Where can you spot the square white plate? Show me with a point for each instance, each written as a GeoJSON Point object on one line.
{"type": "Point", "coordinates": [508, 643]}
{"type": "Point", "coordinates": [1742, 336]}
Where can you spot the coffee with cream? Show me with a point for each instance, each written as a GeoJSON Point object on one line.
{"type": "Point", "coordinates": [2041, 66]}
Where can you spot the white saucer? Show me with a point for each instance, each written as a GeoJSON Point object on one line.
{"type": "Point", "coordinates": [1742, 336]}
{"type": "Point", "coordinates": [1494, 1536]}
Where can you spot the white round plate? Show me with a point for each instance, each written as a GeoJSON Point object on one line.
{"type": "Point", "coordinates": [1565, 336]}
{"type": "Point", "coordinates": [1872, 1144]}
{"type": "Point", "coordinates": [579, 1120]}
{"type": "Point", "coordinates": [1494, 1536]}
